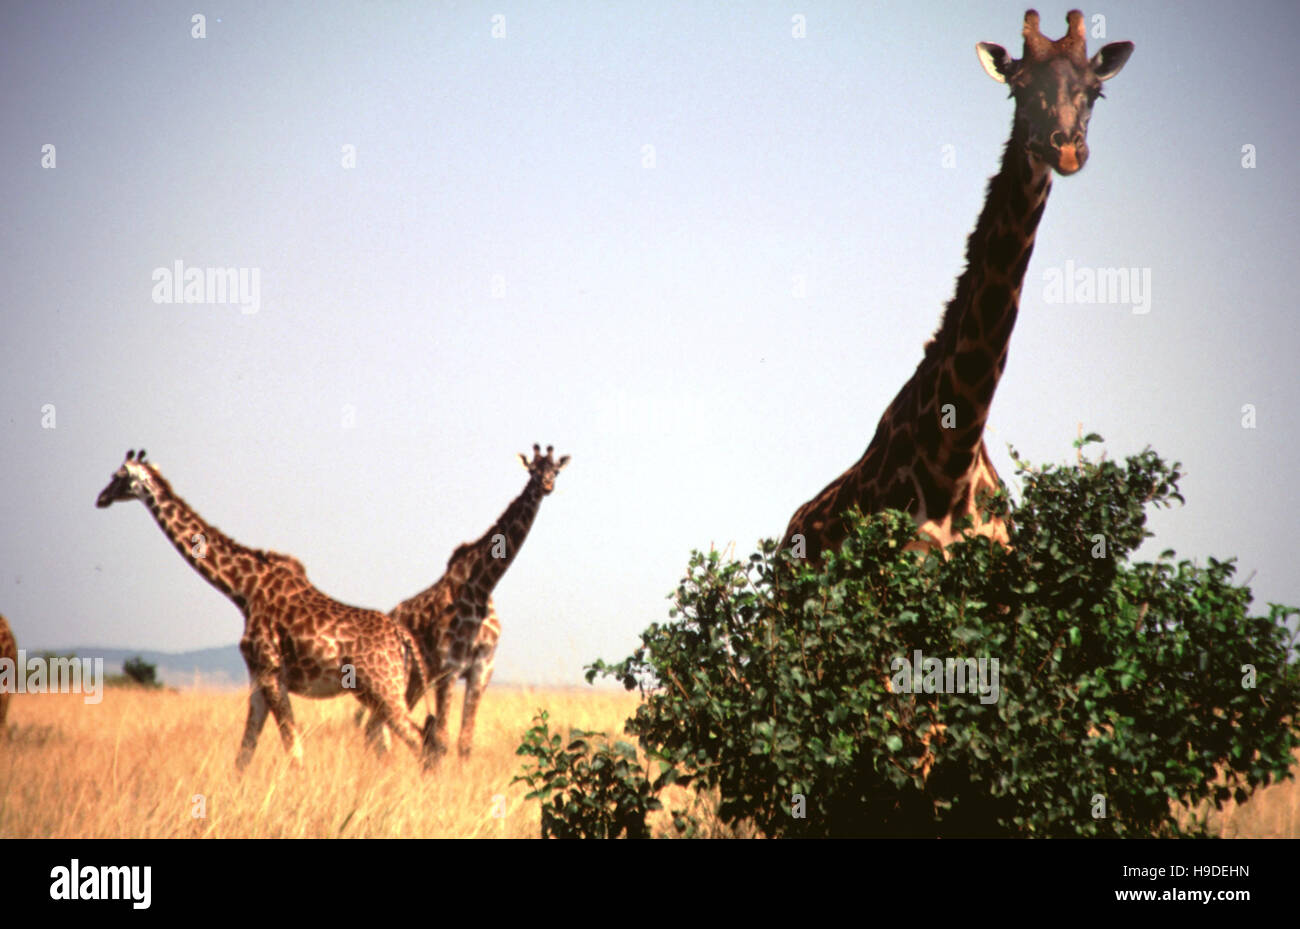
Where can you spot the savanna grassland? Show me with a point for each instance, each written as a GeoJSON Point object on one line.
{"type": "Point", "coordinates": [132, 766]}
{"type": "Point", "coordinates": [143, 762]}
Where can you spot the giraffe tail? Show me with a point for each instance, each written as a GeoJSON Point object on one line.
{"type": "Point", "coordinates": [417, 670]}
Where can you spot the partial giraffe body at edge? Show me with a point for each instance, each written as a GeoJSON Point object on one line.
{"type": "Point", "coordinates": [8, 651]}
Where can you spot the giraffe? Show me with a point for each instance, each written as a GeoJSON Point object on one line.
{"type": "Point", "coordinates": [455, 621]}
{"type": "Point", "coordinates": [296, 639]}
{"type": "Point", "coordinates": [928, 455]}
{"type": "Point", "coordinates": [9, 650]}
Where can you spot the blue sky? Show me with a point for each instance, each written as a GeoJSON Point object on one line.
{"type": "Point", "coordinates": [694, 252]}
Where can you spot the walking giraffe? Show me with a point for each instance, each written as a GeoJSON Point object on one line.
{"type": "Point", "coordinates": [928, 455]}
{"type": "Point", "coordinates": [455, 622]}
{"type": "Point", "coordinates": [296, 639]}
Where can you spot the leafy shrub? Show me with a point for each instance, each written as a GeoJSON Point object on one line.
{"type": "Point", "coordinates": [1122, 689]}
{"type": "Point", "coordinates": [589, 789]}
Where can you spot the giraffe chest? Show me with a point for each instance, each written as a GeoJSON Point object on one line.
{"type": "Point", "coordinates": [456, 647]}
{"type": "Point", "coordinates": [964, 500]}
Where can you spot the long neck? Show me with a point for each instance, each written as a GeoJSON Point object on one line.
{"type": "Point", "coordinates": [223, 562]}
{"type": "Point", "coordinates": [481, 564]}
{"type": "Point", "coordinates": [964, 361]}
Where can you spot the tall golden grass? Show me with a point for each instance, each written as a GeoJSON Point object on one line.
{"type": "Point", "coordinates": [146, 763]}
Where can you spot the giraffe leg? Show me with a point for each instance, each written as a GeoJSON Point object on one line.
{"type": "Point", "coordinates": [377, 736]}
{"type": "Point", "coordinates": [388, 710]}
{"type": "Point", "coordinates": [382, 685]}
{"type": "Point", "coordinates": [277, 696]}
{"type": "Point", "coordinates": [476, 681]}
{"type": "Point", "coordinates": [253, 727]}
{"type": "Point", "coordinates": [376, 732]}
{"type": "Point", "coordinates": [441, 738]}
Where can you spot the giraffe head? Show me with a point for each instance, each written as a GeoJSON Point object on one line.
{"type": "Point", "coordinates": [1055, 85]}
{"type": "Point", "coordinates": [129, 482]}
{"type": "Point", "coordinates": [543, 468]}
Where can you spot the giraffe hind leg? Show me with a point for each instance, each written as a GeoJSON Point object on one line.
{"type": "Point", "coordinates": [383, 690]}
{"type": "Point", "coordinates": [389, 714]}
{"type": "Point", "coordinates": [376, 732]}
{"type": "Point", "coordinates": [377, 736]}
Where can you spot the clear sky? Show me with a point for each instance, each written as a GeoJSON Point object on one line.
{"type": "Point", "coordinates": [693, 251]}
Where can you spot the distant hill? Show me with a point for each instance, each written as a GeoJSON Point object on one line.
{"type": "Point", "coordinates": [221, 668]}
{"type": "Point", "coordinates": [215, 667]}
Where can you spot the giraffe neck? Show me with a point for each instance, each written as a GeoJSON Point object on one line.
{"type": "Point", "coordinates": [480, 565]}
{"type": "Point", "coordinates": [223, 562]}
{"type": "Point", "coordinates": [927, 455]}
{"type": "Point", "coordinates": [472, 571]}
{"type": "Point", "coordinates": [964, 361]}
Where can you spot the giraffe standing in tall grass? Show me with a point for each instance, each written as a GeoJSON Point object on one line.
{"type": "Point", "coordinates": [455, 622]}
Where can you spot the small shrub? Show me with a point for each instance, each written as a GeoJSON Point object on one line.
{"type": "Point", "coordinates": [138, 672]}
{"type": "Point", "coordinates": [589, 788]}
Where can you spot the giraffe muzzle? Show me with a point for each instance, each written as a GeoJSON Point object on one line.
{"type": "Point", "coordinates": [1067, 157]}
{"type": "Point", "coordinates": [1070, 158]}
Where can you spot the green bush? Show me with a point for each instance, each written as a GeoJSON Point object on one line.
{"type": "Point", "coordinates": [589, 789]}
{"type": "Point", "coordinates": [1123, 689]}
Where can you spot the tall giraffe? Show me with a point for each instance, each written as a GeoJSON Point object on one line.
{"type": "Point", "coordinates": [455, 622]}
{"type": "Point", "coordinates": [928, 455]}
{"type": "Point", "coordinates": [296, 639]}
{"type": "Point", "coordinates": [9, 650]}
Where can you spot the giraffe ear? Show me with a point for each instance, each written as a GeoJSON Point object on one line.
{"type": "Point", "coordinates": [562, 462]}
{"type": "Point", "coordinates": [1110, 60]}
{"type": "Point", "coordinates": [522, 460]}
{"type": "Point", "coordinates": [996, 61]}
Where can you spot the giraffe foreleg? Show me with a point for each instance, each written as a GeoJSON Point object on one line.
{"type": "Point", "coordinates": [277, 695]}
{"type": "Point", "coordinates": [441, 738]}
{"type": "Point", "coordinates": [253, 727]}
{"type": "Point", "coordinates": [476, 681]}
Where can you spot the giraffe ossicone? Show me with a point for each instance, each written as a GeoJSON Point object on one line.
{"type": "Point", "coordinates": [296, 639]}
{"type": "Point", "coordinates": [928, 456]}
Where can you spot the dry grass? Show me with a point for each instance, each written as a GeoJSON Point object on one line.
{"type": "Point", "coordinates": [1272, 813]}
{"type": "Point", "coordinates": [132, 766]}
